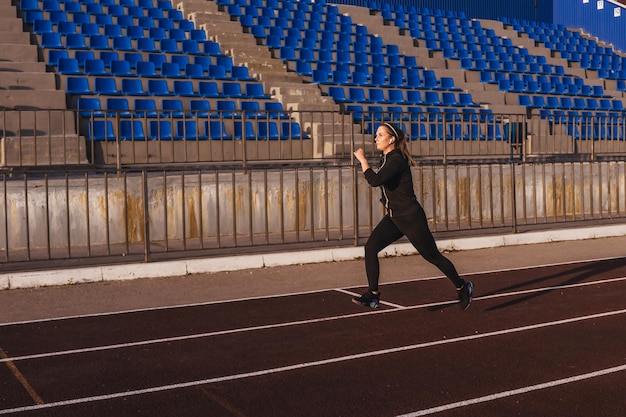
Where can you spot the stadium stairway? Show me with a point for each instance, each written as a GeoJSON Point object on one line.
{"type": "Point", "coordinates": [311, 109]}
{"type": "Point", "coordinates": [42, 132]}
{"type": "Point", "coordinates": [443, 67]}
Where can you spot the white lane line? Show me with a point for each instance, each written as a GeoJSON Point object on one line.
{"type": "Point", "coordinates": [312, 364]}
{"type": "Point", "coordinates": [386, 303]}
{"type": "Point", "coordinates": [234, 300]}
{"type": "Point", "coordinates": [523, 390]}
{"type": "Point", "coordinates": [289, 324]}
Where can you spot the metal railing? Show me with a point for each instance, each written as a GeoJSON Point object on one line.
{"type": "Point", "coordinates": [129, 138]}
{"type": "Point", "coordinates": [82, 216]}
{"type": "Point", "coordinates": [510, 175]}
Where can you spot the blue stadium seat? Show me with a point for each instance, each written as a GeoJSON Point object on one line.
{"type": "Point", "coordinates": [101, 130]}
{"type": "Point", "coordinates": [208, 89]}
{"type": "Point", "coordinates": [188, 130]}
{"type": "Point", "coordinates": [227, 109]}
{"type": "Point", "coordinates": [216, 130]}
{"type": "Point", "coordinates": [184, 88]}
{"type": "Point", "coordinates": [121, 69]}
{"type": "Point", "coordinates": [95, 67]}
{"type": "Point", "coordinates": [78, 86]}
{"type": "Point", "coordinates": [69, 66]}
{"type": "Point", "coordinates": [132, 130]}
{"type": "Point", "coordinates": [160, 130]}
{"type": "Point", "coordinates": [200, 108]}
{"type": "Point", "coordinates": [89, 107]}
{"type": "Point", "coordinates": [145, 107]}
{"type": "Point", "coordinates": [117, 106]}
{"type": "Point", "coordinates": [268, 130]}
{"type": "Point", "coordinates": [243, 130]}
{"type": "Point", "coordinates": [232, 89]}
{"type": "Point", "coordinates": [133, 87]}
{"type": "Point", "coordinates": [159, 88]}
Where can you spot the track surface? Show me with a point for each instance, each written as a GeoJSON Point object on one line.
{"type": "Point", "coordinates": [537, 341]}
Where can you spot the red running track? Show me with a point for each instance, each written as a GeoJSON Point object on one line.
{"type": "Point", "coordinates": [536, 342]}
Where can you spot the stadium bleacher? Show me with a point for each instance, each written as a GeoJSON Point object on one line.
{"type": "Point", "coordinates": [166, 68]}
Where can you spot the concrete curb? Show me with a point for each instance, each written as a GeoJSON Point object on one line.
{"type": "Point", "coordinates": [33, 279]}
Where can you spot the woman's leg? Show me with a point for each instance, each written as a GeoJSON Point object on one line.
{"type": "Point", "coordinates": [384, 234]}
{"type": "Point", "coordinates": [416, 230]}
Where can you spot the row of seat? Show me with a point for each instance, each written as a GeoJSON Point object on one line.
{"type": "Point", "coordinates": [567, 102]}
{"type": "Point", "coordinates": [576, 48]}
{"type": "Point", "coordinates": [398, 96]}
{"type": "Point", "coordinates": [54, 4]}
{"type": "Point", "coordinates": [54, 40]}
{"type": "Point", "coordinates": [115, 30]}
{"type": "Point", "coordinates": [371, 61]}
{"type": "Point", "coordinates": [59, 11]}
{"type": "Point", "coordinates": [150, 69]}
{"type": "Point", "coordinates": [192, 129]}
{"type": "Point", "coordinates": [108, 86]}
{"type": "Point", "coordinates": [492, 58]}
{"type": "Point", "coordinates": [90, 107]}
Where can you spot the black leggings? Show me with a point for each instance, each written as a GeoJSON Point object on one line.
{"type": "Point", "coordinates": [415, 228]}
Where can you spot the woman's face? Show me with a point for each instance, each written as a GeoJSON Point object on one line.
{"type": "Point", "coordinates": [385, 141]}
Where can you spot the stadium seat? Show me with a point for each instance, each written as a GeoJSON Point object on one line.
{"type": "Point", "coordinates": [78, 86]}
{"type": "Point", "coordinates": [89, 107]}
{"type": "Point", "coordinates": [132, 130]}
{"type": "Point", "coordinates": [216, 130]}
{"type": "Point", "coordinates": [117, 107]}
{"type": "Point", "coordinates": [145, 108]}
{"type": "Point", "coordinates": [101, 130]}
{"type": "Point", "coordinates": [159, 88]}
{"type": "Point", "coordinates": [161, 130]}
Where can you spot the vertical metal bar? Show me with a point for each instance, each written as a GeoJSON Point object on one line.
{"type": "Point", "coordinates": [6, 216]}
{"type": "Point", "coordinates": [47, 208]}
{"type": "Point", "coordinates": [326, 210]}
{"type": "Point", "coordinates": [297, 202]}
{"type": "Point", "coordinates": [218, 230]}
{"type": "Point", "coordinates": [126, 225]}
{"type": "Point", "coordinates": [250, 208]}
{"type": "Point", "coordinates": [312, 202]}
{"type": "Point", "coordinates": [146, 216]}
{"type": "Point", "coordinates": [282, 204]}
{"type": "Point", "coordinates": [234, 204]}
{"type": "Point", "coordinates": [183, 211]}
{"type": "Point", "coordinates": [502, 201]}
{"type": "Point", "coordinates": [600, 190]}
{"type": "Point", "coordinates": [87, 218]}
{"type": "Point", "coordinates": [165, 213]}
{"type": "Point", "coordinates": [200, 207]}
{"type": "Point", "coordinates": [26, 217]}
{"type": "Point", "coordinates": [68, 229]}
{"type": "Point", "coordinates": [513, 197]}
{"type": "Point", "coordinates": [107, 227]}
{"type": "Point", "coordinates": [266, 214]}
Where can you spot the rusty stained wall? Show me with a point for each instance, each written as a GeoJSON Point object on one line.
{"type": "Point", "coordinates": [95, 211]}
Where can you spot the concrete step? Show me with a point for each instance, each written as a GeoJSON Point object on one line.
{"type": "Point", "coordinates": [15, 38]}
{"type": "Point", "coordinates": [27, 81]}
{"type": "Point", "coordinates": [6, 66]}
{"type": "Point", "coordinates": [68, 149]}
{"type": "Point", "coordinates": [37, 123]}
{"type": "Point", "coordinates": [18, 53]}
{"type": "Point", "coordinates": [11, 23]}
{"type": "Point", "coordinates": [32, 99]}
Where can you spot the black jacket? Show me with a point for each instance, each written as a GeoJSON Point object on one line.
{"type": "Point", "coordinates": [394, 178]}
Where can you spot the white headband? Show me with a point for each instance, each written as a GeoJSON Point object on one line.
{"type": "Point", "coordinates": [393, 129]}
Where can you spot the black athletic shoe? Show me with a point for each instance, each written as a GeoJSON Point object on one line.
{"type": "Point", "coordinates": [368, 299]}
{"type": "Point", "coordinates": [465, 294]}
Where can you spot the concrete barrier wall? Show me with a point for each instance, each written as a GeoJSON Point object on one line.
{"type": "Point", "coordinates": [233, 208]}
